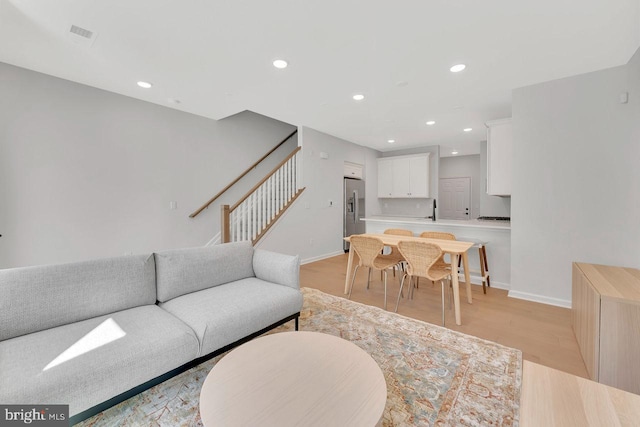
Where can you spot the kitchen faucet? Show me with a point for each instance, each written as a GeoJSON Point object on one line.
{"type": "Point", "coordinates": [433, 216]}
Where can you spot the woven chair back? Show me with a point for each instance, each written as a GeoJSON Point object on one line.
{"type": "Point", "coordinates": [398, 232]}
{"type": "Point", "coordinates": [420, 256]}
{"type": "Point", "coordinates": [437, 235]}
{"type": "Point", "coordinates": [367, 248]}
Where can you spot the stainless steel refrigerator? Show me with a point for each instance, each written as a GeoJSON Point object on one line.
{"type": "Point", "coordinates": [353, 208]}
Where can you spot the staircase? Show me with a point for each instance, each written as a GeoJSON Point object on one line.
{"type": "Point", "coordinates": [258, 210]}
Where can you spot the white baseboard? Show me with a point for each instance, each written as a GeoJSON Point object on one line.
{"type": "Point", "coordinates": [477, 280]}
{"type": "Point", "coordinates": [540, 298]}
{"type": "Point", "coordinates": [320, 257]}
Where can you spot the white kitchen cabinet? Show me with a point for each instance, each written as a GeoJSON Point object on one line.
{"type": "Point", "coordinates": [385, 177]}
{"type": "Point", "coordinates": [499, 149]}
{"type": "Point", "coordinates": [401, 177]}
{"type": "Point", "coordinates": [419, 176]}
{"type": "Point", "coordinates": [404, 176]}
{"type": "Point", "coordinates": [353, 170]}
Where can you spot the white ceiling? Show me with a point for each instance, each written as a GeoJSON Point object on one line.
{"type": "Point", "coordinates": [215, 57]}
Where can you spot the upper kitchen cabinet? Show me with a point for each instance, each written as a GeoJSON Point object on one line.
{"type": "Point", "coordinates": [404, 176]}
{"type": "Point", "coordinates": [353, 170]}
{"type": "Point", "coordinates": [499, 146]}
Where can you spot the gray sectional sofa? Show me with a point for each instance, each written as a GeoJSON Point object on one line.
{"type": "Point", "coordinates": [91, 334]}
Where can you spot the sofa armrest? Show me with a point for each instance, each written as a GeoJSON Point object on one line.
{"type": "Point", "coordinates": [277, 268]}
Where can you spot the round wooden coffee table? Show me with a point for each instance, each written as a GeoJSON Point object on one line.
{"type": "Point", "coordinates": [294, 378]}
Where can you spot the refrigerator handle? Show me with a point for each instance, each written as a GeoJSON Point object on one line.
{"type": "Point", "coordinates": [355, 204]}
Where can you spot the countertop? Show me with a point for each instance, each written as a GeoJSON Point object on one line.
{"type": "Point", "coordinates": [473, 223]}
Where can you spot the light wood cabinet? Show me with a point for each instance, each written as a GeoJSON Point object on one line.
{"type": "Point", "coordinates": [606, 320]}
{"type": "Point", "coordinates": [499, 161]}
{"type": "Point", "coordinates": [404, 176]}
{"type": "Point", "coordinates": [585, 315]}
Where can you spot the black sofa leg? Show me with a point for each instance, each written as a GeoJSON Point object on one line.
{"type": "Point", "coordinates": [139, 389]}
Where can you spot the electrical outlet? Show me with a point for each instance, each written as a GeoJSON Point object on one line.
{"type": "Point", "coordinates": [417, 205]}
{"type": "Point", "coordinates": [310, 242]}
{"type": "Point", "coordinates": [330, 203]}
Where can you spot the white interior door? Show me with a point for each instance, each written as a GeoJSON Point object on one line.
{"type": "Point", "coordinates": [455, 198]}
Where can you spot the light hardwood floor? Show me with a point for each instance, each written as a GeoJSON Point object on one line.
{"type": "Point", "coordinates": [542, 332]}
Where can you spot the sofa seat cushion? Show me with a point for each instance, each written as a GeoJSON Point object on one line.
{"type": "Point", "coordinates": [86, 363]}
{"type": "Point", "coordinates": [226, 313]}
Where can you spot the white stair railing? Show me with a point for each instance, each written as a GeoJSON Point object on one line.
{"type": "Point", "coordinates": [260, 208]}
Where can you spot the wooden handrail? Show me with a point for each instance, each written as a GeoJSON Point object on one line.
{"type": "Point", "coordinates": [255, 187]}
{"type": "Point", "coordinates": [213, 199]}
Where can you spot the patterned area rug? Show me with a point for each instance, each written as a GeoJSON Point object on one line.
{"type": "Point", "coordinates": [435, 376]}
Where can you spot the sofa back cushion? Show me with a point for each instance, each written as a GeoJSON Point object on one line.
{"type": "Point", "coordinates": [37, 298]}
{"type": "Point", "coordinates": [183, 271]}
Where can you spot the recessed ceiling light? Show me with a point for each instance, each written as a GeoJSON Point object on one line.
{"type": "Point", "coordinates": [431, 123]}
{"type": "Point", "coordinates": [145, 85]}
{"type": "Point", "coordinates": [454, 152]}
{"type": "Point", "coordinates": [467, 129]}
{"type": "Point", "coordinates": [391, 141]}
{"type": "Point", "coordinates": [402, 83]}
{"type": "Point", "coordinates": [457, 68]}
{"type": "Point", "coordinates": [280, 63]}
{"type": "Point", "coordinates": [358, 97]}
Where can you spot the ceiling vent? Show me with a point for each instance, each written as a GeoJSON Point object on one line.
{"type": "Point", "coordinates": [82, 36]}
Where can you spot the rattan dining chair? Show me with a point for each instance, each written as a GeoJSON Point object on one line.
{"type": "Point", "coordinates": [398, 232]}
{"type": "Point", "coordinates": [368, 250]}
{"type": "Point", "coordinates": [437, 235]}
{"type": "Point", "coordinates": [422, 261]}
{"type": "Point", "coordinates": [394, 252]}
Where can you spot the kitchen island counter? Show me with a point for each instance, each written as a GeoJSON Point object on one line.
{"type": "Point", "coordinates": [496, 235]}
{"type": "Point", "coordinates": [473, 223]}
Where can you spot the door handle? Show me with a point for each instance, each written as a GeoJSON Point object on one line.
{"type": "Point", "coordinates": [355, 204]}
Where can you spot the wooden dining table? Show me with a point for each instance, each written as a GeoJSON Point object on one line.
{"type": "Point", "coordinates": [454, 248]}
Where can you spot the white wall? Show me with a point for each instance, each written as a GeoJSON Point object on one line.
{"type": "Point", "coordinates": [576, 179]}
{"type": "Point", "coordinates": [462, 167]}
{"type": "Point", "coordinates": [85, 173]}
{"type": "Point", "coordinates": [312, 228]}
{"type": "Point", "coordinates": [414, 207]}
